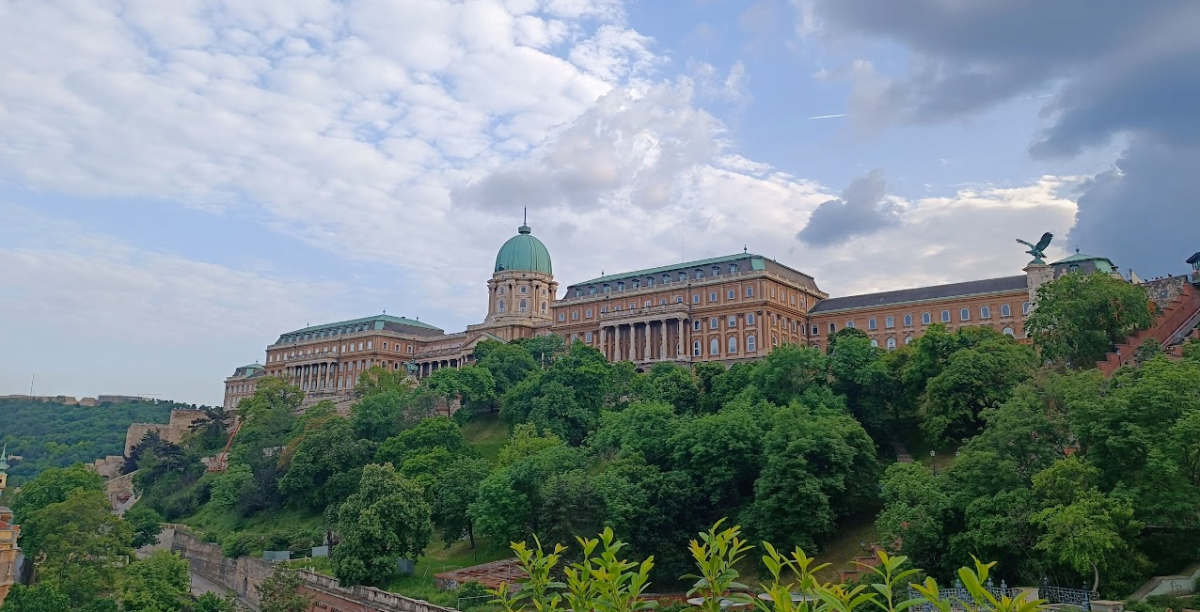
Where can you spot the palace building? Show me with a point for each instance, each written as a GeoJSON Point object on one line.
{"type": "Point", "coordinates": [724, 309]}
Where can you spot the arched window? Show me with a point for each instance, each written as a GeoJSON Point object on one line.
{"type": "Point", "coordinates": [1008, 331]}
{"type": "Point", "coordinates": [733, 345]}
{"type": "Point", "coordinates": [500, 306]}
{"type": "Point", "coordinates": [543, 307]}
{"type": "Point", "coordinates": [588, 337]}
{"type": "Point", "coordinates": [696, 349]}
{"type": "Point", "coordinates": [695, 298]}
{"type": "Point", "coordinates": [926, 318]}
{"type": "Point", "coordinates": [832, 327]}
{"type": "Point", "coordinates": [874, 343]}
{"type": "Point", "coordinates": [524, 305]}
{"type": "Point", "coordinates": [751, 344]}
{"type": "Point", "coordinates": [1025, 308]}
{"type": "Point", "coordinates": [889, 322]}
{"type": "Point", "coordinates": [731, 322]}
{"type": "Point", "coordinates": [714, 323]}
{"type": "Point", "coordinates": [714, 347]}
{"type": "Point", "coordinates": [774, 339]}
{"type": "Point", "coordinates": [985, 312]}
{"type": "Point", "coordinates": [696, 324]}
{"type": "Point", "coordinates": [964, 314]}
{"type": "Point", "coordinates": [908, 340]}
{"type": "Point", "coordinates": [1005, 310]}
{"type": "Point", "coordinates": [699, 274]}
{"type": "Point", "coordinates": [871, 324]}
{"type": "Point", "coordinates": [750, 318]}
{"type": "Point", "coordinates": [607, 288]}
{"type": "Point", "coordinates": [908, 320]}
{"type": "Point", "coordinates": [945, 316]}
{"type": "Point", "coordinates": [636, 283]}
{"type": "Point", "coordinates": [891, 344]}
{"type": "Point", "coordinates": [621, 286]}
{"type": "Point", "coordinates": [682, 276]}
{"type": "Point", "coordinates": [850, 324]}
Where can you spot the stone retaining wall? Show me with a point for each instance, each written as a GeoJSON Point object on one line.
{"type": "Point", "coordinates": [243, 576]}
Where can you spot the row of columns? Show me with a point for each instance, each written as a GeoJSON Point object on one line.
{"type": "Point", "coordinates": [425, 368]}
{"type": "Point", "coordinates": [632, 341]}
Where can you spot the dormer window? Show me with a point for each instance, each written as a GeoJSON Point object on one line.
{"type": "Point", "coordinates": [699, 274]}
{"type": "Point", "coordinates": [578, 292]}
{"type": "Point", "coordinates": [637, 283]}
{"type": "Point", "coordinates": [716, 270]}
{"type": "Point", "coordinates": [607, 289]}
{"type": "Point", "coordinates": [682, 276]}
{"type": "Point", "coordinates": [650, 281]}
{"type": "Point", "coordinates": [620, 286]}
{"type": "Point", "coordinates": [733, 268]}
{"type": "Point", "coordinates": [592, 290]}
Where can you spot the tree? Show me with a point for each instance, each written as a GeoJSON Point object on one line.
{"type": "Point", "coordinates": [146, 524]}
{"type": "Point", "coordinates": [819, 466]}
{"type": "Point", "coordinates": [914, 517]}
{"type": "Point", "coordinates": [643, 428]}
{"type": "Point", "coordinates": [1082, 527]}
{"type": "Point", "coordinates": [436, 432]}
{"type": "Point", "coordinates": [790, 370]}
{"type": "Point", "coordinates": [280, 592]}
{"type": "Point", "coordinates": [386, 519]}
{"type": "Point", "coordinates": [78, 544]}
{"type": "Point", "coordinates": [377, 416]}
{"type": "Point", "coordinates": [721, 453]}
{"type": "Point", "coordinates": [211, 602]}
{"type": "Point", "coordinates": [525, 441]}
{"type": "Point", "coordinates": [35, 598]}
{"type": "Point", "coordinates": [509, 364]}
{"type": "Point", "coordinates": [674, 386]}
{"type": "Point", "coordinates": [456, 489]}
{"type": "Point", "coordinates": [974, 380]}
{"type": "Point", "coordinates": [325, 466]}
{"type": "Point", "coordinates": [378, 379]}
{"type": "Point", "coordinates": [1079, 317]}
{"type": "Point", "coordinates": [51, 487]}
{"type": "Point", "coordinates": [158, 583]}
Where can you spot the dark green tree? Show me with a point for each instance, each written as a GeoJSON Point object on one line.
{"type": "Point", "coordinates": [35, 598]}
{"type": "Point", "coordinates": [280, 592]}
{"type": "Point", "coordinates": [158, 583]}
{"type": "Point", "coordinates": [457, 487]}
{"type": "Point", "coordinates": [53, 486]}
{"type": "Point", "coordinates": [146, 524]}
{"type": "Point", "coordinates": [974, 380]}
{"type": "Point", "coordinates": [79, 545]}
{"type": "Point", "coordinates": [324, 464]}
{"type": "Point", "coordinates": [386, 519]}
{"type": "Point", "coordinates": [1079, 317]}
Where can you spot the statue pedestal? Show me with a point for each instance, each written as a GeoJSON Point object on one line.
{"type": "Point", "coordinates": [1037, 273]}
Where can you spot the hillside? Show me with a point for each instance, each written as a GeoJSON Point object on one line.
{"type": "Point", "coordinates": [49, 435]}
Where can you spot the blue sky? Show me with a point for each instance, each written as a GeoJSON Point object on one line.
{"type": "Point", "coordinates": [182, 182]}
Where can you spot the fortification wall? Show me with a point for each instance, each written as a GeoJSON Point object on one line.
{"type": "Point", "coordinates": [243, 575]}
{"type": "Point", "coordinates": [174, 430]}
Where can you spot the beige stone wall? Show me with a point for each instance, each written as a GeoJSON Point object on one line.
{"type": "Point", "coordinates": [108, 467]}
{"type": "Point", "coordinates": [175, 430]}
{"type": "Point", "coordinates": [900, 333]}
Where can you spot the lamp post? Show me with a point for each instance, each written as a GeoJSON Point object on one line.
{"type": "Point", "coordinates": [933, 461]}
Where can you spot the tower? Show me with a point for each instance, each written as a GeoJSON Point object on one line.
{"type": "Point", "coordinates": [9, 551]}
{"type": "Point", "coordinates": [522, 288]}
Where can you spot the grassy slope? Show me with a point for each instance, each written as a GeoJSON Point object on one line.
{"type": "Point", "coordinates": [486, 433]}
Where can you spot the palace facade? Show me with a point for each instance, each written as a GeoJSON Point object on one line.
{"type": "Point", "coordinates": [723, 309]}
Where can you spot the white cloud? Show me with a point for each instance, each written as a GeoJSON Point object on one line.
{"type": "Point", "coordinates": [349, 126]}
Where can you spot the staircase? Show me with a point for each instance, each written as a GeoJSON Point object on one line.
{"type": "Point", "coordinates": [1176, 324]}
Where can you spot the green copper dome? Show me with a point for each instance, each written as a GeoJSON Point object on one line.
{"type": "Point", "coordinates": [523, 253]}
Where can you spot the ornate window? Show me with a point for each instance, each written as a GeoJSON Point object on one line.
{"type": "Point", "coordinates": [733, 345]}
{"type": "Point", "coordinates": [500, 306]}
{"type": "Point", "coordinates": [1008, 331]}
{"type": "Point", "coordinates": [732, 293]}
{"type": "Point", "coordinates": [562, 317]}
{"type": "Point", "coordinates": [587, 314]}
{"type": "Point", "coordinates": [889, 322]}
{"type": "Point", "coordinates": [749, 318]}
{"type": "Point", "coordinates": [731, 322]}
{"type": "Point", "coordinates": [815, 330]}
{"type": "Point", "coordinates": [750, 291]}
{"type": "Point", "coordinates": [699, 274]}
{"type": "Point", "coordinates": [696, 349]}
{"type": "Point", "coordinates": [733, 268]}
{"type": "Point", "coordinates": [908, 320]}
{"type": "Point", "coordinates": [588, 337]}
{"type": "Point", "coordinates": [908, 340]}
{"type": "Point", "coordinates": [1005, 310]}
{"type": "Point", "coordinates": [621, 286]}
{"type": "Point", "coordinates": [871, 324]}
{"type": "Point", "coordinates": [1025, 308]}
{"type": "Point", "coordinates": [695, 324]}
{"type": "Point", "coordinates": [751, 344]}
{"type": "Point", "coordinates": [713, 323]}
{"type": "Point", "coordinates": [636, 283]}
{"type": "Point", "coordinates": [874, 343]}
{"type": "Point", "coordinates": [985, 312]}
{"type": "Point", "coordinates": [714, 347]}
{"type": "Point", "coordinates": [891, 344]}
{"type": "Point", "coordinates": [850, 324]}
{"type": "Point", "coordinates": [524, 305]}
{"type": "Point", "coordinates": [712, 296]}
{"type": "Point", "coordinates": [964, 314]}
{"type": "Point", "coordinates": [832, 327]}
{"type": "Point", "coordinates": [926, 318]}
{"type": "Point", "coordinates": [945, 316]}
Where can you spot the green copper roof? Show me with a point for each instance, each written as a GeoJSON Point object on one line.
{"type": "Point", "coordinates": [522, 253]}
{"type": "Point", "coordinates": [756, 263]}
{"type": "Point", "coordinates": [357, 325]}
{"type": "Point", "coordinates": [1103, 264]}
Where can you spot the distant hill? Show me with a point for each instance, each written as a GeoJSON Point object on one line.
{"type": "Point", "coordinates": [49, 434]}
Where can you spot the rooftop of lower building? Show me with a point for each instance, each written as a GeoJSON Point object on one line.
{"type": "Point", "coordinates": [744, 262]}
{"type": "Point", "coordinates": [923, 294]}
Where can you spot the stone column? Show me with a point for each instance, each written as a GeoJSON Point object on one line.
{"type": "Point", "coordinates": [680, 345]}
{"type": "Point", "coordinates": [646, 352]}
{"type": "Point", "coordinates": [604, 342]}
{"type": "Point", "coordinates": [617, 341]}
{"type": "Point", "coordinates": [662, 340]}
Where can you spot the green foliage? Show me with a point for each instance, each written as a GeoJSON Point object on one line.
{"type": "Point", "coordinates": [146, 524]}
{"type": "Point", "coordinates": [35, 598]}
{"type": "Point", "coordinates": [429, 434]}
{"type": "Point", "coordinates": [79, 544]}
{"type": "Point", "coordinates": [717, 554]}
{"type": "Point", "coordinates": [1079, 317]}
{"type": "Point", "coordinates": [51, 487]}
{"type": "Point", "coordinates": [508, 364]}
{"type": "Point", "coordinates": [819, 467]}
{"type": "Point", "coordinates": [211, 602]}
{"type": "Point", "coordinates": [158, 583]}
{"type": "Point", "coordinates": [722, 453]}
{"type": "Point", "coordinates": [642, 428]}
{"type": "Point", "coordinates": [386, 519]}
{"type": "Point", "coordinates": [280, 592]}
{"type": "Point", "coordinates": [325, 466]}
{"type": "Point", "coordinates": [974, 379]}
{"type": "Point", "coordinates": [50, 435]}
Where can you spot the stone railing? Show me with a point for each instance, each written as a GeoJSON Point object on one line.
{"type": "Point", "coordinates": [664, 310]}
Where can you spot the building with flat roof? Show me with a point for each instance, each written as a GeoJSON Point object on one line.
{"type": "Point", "coordinates": [724, 309]}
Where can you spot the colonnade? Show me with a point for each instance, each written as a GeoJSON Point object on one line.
{"type": "Point", "coordinates": [660, 339]}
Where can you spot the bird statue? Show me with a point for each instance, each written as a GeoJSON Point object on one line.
{"type": "Point", "coordinates": [1038, 250]}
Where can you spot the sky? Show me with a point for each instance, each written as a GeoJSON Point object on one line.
{"type": "Point", "coordinates": [181, 182]}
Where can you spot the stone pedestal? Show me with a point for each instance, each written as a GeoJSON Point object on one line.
{"type": "Point", "coordinates": [1037, 275]}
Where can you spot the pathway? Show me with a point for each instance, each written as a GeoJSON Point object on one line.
{"type": "Point", "coordinates": [901, 452]}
